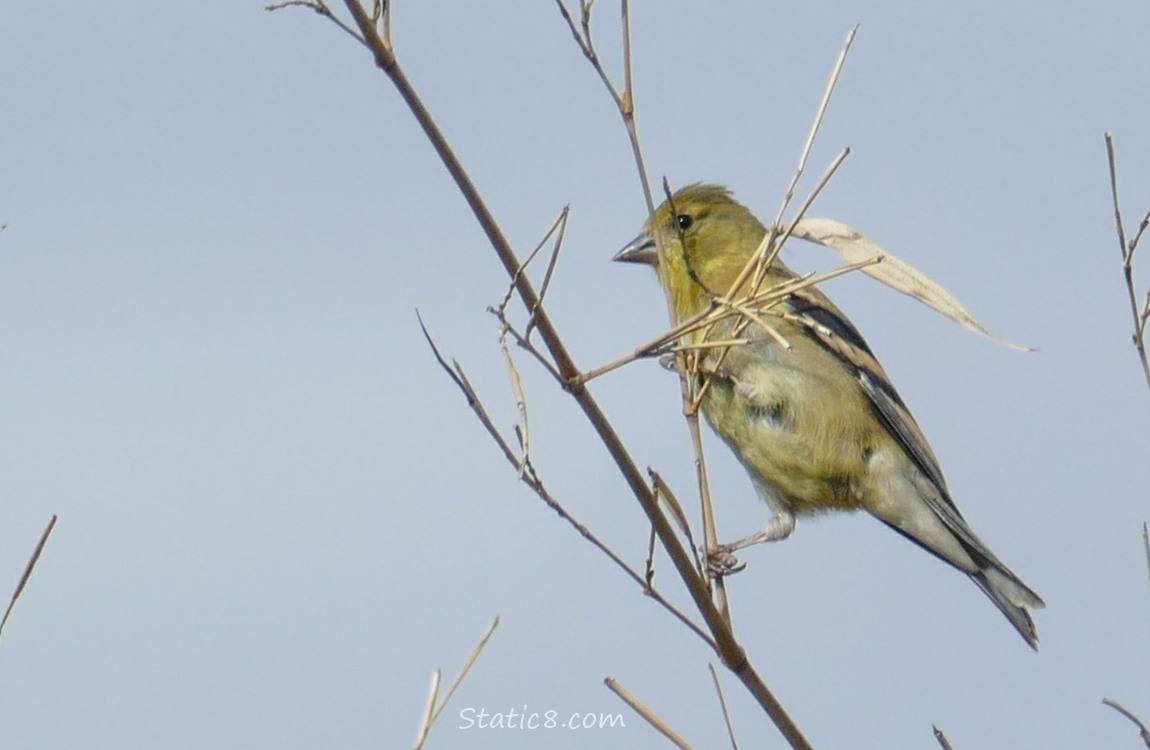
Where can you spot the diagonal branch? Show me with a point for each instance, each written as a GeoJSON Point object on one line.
{"type": "Point", "coordinates": [1140, 315]}
{"type": "Point", "coordinates": [532, 480]}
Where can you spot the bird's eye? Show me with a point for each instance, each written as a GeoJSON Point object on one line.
{"type": "Point", "coordinates": [685, 221]}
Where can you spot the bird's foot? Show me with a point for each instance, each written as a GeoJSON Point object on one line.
{"type": "Point", "coordinates": [722, 560]}
{"type": "Point", "coordinates": [721, 563]}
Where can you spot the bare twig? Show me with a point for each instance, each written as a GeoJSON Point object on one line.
{"type": "Point", "coordinates": [1146, 544]}
{"type": "Point", "coordinates": [754, 684]}
{"type": "Point", "coordinates": [467, 665]}
{"type": "Point", "coordinates": [321, 8]}
{"type": "Point", "coordinates": [624, 100]}
{"type": "Point", "coordinates": [560, 231]}
{"type": "Point", "coordinates": [760, 302]}
{"type": "Point", "coordinates": [723, 706]}
{"type": "Point", "coordinates": [648, 715]}
{"type": "Point", "coordinates": [507, 328]}
{"type": "Point", "coordinates": [385, 59]}
{"type": "Point", "coordinates": [723, 641]}
{"type": "Point", "coordinates": [434, 709]}
{"type": "Point", "coordinates": [1143, 730]}
{"type": "Point", "coordinates": [455, 372]}
{"type": "Point", "coordinates": [523, 429]}
{"type": "Point", "coordinates": [790, 193]}
{"type": "Point", "coordinates": [943, 742]}
{"type": "Point", "coordinates": [626, 105]}
{"type": "Point", "coordinates": [28, 568]}
{"type": "Point", "coordinates": [428, 710]}
{"type": "Point", "coordinates": [1141, 314]}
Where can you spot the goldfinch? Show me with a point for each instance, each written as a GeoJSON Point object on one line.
{"type": "Point", "coordinates": [805, 406]}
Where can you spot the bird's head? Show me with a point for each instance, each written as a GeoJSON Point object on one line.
{"type": "Point", "coordinates": [709, 238]}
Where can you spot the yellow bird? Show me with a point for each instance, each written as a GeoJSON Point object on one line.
{"type": "Point", "coordinates": [806, 407]}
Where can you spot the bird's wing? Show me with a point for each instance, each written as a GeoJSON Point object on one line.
{"type": "Point", "coordinates": [830, 328]}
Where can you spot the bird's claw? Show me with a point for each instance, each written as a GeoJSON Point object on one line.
{"type": "Point", "coordinates": [722, 562]}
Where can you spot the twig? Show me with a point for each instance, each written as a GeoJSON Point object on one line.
{"type": "Point", "coordinates": [728, 648]}
{"type": "Point", "coordinates": [523, 343]}
{"type": "Point", "coordinates": [790, 193]}
{"type": "Point", "coordinates": [943, 742]}
{"type": "Point", "coordinates": [1143, 730]}
{"type": "Point", "coordinates": [467, 665]}
{"type": "Point", "coordinates": [428, 710]}
{"type": "Point", "coordinates": [646, 713]}
{"type": "Point", "coordinates": [624, 100]}
{"type": "Point", "coordinates": [522, 430]}
{"type": "Point", "coordinates": [320, 7]}
{"type": "Point", "coordinates": [455, 372]}
{"type": "Point", "coordinates": [1140, 316]}
{"type": "Point", "coordinates": [433, 709]}
{"type": "Point", "coordinates": [723, 706]}
{"type": "Point", "coordinates": [28, 568]}
{"type": "Point", "coordinates": [561, 225]}
{"type": "Point", "coordinates": [724, 642]}
{"type": "Point", "coordinates": [1146, 544]}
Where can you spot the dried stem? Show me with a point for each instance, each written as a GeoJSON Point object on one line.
{"type": "Point", "coordinates": [790, 194]}
{"type": "Point", "coordinates": [943, 742]}
{"type": "Point", "coordinates": [434, 706]}
{"type": "Point", "coordinates": [1146, 545]}
{"type": "Point", "coordinates": [648, 715]}
{"type": "Point", "coordinates": [1139, 314]}
{"type": "Point", "coordinates": [375, 31]}
{"type": "Point", "coordinates": [528, 477]}
{"type": "Point", "coordinates": [1143, 730]}
{"type": "Point", "coordinates": [319, 7]}
{"type": "Point", "coordinates": [723, 706]}
{"type": "Point", "coordinates": [28, 568]}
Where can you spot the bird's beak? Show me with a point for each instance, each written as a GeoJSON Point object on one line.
{"type": "Point", "coordinates": [639, 250]}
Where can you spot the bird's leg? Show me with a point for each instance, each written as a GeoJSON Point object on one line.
{"type": "Point", "coordinates": [707, 364]}
{"type": "Point", "coordinates": [777, 528]}
{"type": "Point", "coordinates": [723, 561]}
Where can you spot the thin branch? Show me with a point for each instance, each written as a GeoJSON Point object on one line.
{"type": "Point", "coordinates": [321, 8]}
{"type": "Point", "coordinates": [724, 642]}
{"type": "Point", "coordinates": [28, 568]}
{"type": "Point", "coordinates": [646, 713]}
{"type": "Point", "coordinates": [523, 343]}
{"type": "Point", "coordinates": [523, 429]}
{"type": "Point", "coordinates": [385, 59]}
{"type": "Point", "coordinates": [816, 124]}
{"type": "Point", "coordinates": [1143, 730]}
{"type": "Point", "coordinates": [1128, 250]}
{"type": "Point", "coordinates": [428, 710]}
{"type": "Point", "coordinates": [561, 226]}
{"type": "Point", "coordinates": [434, 707]}
{"type": "Point", "coordinates": [723, 706]}
{"type": "Point", "coordinates": [467, 665]}
{"type": "Point", "coordinates": [667, 496]}
{"type": "Point", "coordinates": [1146, 544]}
{"type": "Point", "coordinates": [719, 311]}
{"type": "Point", "coordinates": [455, 372]}
{"type": "Point", "coordinates": [1138, 236]}
{"type": "Point", "coordinates": [943, 742]}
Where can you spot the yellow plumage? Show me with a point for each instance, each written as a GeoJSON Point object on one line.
{"type": "Point", "coordinates": [805, 405]}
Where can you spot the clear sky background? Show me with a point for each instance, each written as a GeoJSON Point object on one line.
{"type": "Point", "coordinates": [278, 517]}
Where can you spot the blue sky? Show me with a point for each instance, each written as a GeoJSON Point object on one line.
{"type": "Point", "coordinates": [277, 516]}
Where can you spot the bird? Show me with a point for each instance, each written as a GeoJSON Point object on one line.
{"type": "Point", "coordinates": [792, 387]}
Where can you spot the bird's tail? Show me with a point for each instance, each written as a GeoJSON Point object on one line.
{"type": "Point", "coordinates": [1012, 596]}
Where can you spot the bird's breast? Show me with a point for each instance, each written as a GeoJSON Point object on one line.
{"type": "Point", "coordinates": [792, 427]}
